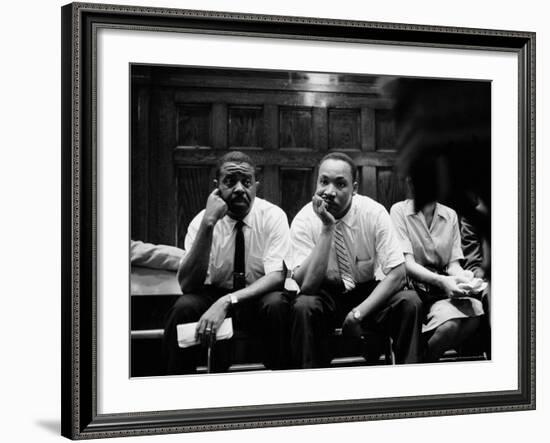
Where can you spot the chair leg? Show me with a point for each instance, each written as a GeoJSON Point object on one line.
{"type": "Point", "coordinates": [389, 355]}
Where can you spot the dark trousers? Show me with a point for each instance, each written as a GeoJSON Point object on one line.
{"type": "Point", "coordinates": [266, 317]}
{"type": "Point", "coordinates": [313, 317]}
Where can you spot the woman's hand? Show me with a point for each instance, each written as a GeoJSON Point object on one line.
{"type": "Point", "coordinates": [465, 277]}
{"type": "Point", "coordinates": [450, 286]}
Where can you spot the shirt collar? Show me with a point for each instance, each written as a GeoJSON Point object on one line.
{"type": "Point", "coordinates": [438, 211]}
{"type": "Point", "coordinates": [350, 215]}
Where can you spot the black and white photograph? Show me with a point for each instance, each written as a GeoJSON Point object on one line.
{"type": "Point", "coordinates": [276, 221]}
{"type": "Point", "coordinates": [290, 220]}
{"type": "Point", "coordinates": [272, 221]}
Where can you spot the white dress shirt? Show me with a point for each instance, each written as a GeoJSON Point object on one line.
{"type": "Point", "coordinates": [368, 233]}
{"type": "Point", "coordinates": [266, 238]}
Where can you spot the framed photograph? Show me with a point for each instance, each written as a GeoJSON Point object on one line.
{"type": "Point", "coordinates": [151, 100]}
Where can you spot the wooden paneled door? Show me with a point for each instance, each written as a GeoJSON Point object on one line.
{"type": "Point", "coordinates": [184, 119]}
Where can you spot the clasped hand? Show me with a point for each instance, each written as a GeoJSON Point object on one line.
{"type": "Point", "coordinates": [461, 285]}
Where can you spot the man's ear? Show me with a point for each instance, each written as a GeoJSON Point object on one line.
{"type": "Point", "coordinates": [355, 188]}
{"type": "Point", "coordinates": [216, 184]}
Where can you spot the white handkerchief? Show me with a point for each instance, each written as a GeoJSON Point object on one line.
{"type": "Point", "coordinates": [186, 333]}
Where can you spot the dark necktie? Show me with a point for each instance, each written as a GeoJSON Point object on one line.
{"type": "Point", "coordinates": [239, 280]}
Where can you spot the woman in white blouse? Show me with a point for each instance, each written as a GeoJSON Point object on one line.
{"type": "Point", "coordinates": [431, 243]}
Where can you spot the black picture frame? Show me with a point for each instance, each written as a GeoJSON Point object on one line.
{"type": "Point", "coordinates": [79, 211]}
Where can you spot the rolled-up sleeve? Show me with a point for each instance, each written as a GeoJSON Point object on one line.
{"type": "Point", "coordinates": [398, 219]}
{"type": "Point", "coordinates": [388, 248]}
{"type": "Point", "coordinates": [192, 230]}
{"type": "Point", "coordinates": [278, 243]}
{"type": "Point", "coordinates": [301, 240]}
{"type": "Point", "coordinates": [154, 256]}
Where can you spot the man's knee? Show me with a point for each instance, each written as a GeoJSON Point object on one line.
{"type": "Point", "coordinates": [408, 302]}
{"type": "Point", "coordinates": [185, 309]}
{"type": "Point", "coordinates": [306, 306]}
{"type": "Point", "coordinates": [275, 302]}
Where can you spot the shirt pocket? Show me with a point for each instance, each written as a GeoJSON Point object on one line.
{"type": "Point", "coordinates": [365, 269]}
{"type": "Point", "coordinates": [255, 266]}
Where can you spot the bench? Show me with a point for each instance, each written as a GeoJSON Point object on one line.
{"type": "Point", "coordinates": [154, 291]}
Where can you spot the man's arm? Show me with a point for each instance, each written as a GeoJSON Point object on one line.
{"type": "Point", "coordinates": [447, 283]}
{"type": "Point", "coordinates": [393, 282]}
{"type": "Point", "coordinates": [311, 272]}
{"type": "Point", "coordinates": [383, 291]}
{"type": "Point", "coordinates": [193, 267]}
{"type": "Point", "coordinates": [211, 320]}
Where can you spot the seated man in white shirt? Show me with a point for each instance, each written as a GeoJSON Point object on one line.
{"type": "Point", "coordinates": [336, 242]}
{"type": "Point", "coordinates": [233, 266]}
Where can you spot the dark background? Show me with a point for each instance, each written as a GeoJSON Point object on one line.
{"type": "Point", "coordinates": [184, 118]}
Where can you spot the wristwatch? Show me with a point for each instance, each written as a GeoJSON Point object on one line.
{"type": "Point", "coordinates": [356, 314]}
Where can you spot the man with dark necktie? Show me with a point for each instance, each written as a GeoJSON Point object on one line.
{"type": "Point", "coordinates": [337, 242]}
{"type": "Point", "coordinates": [234, 266]}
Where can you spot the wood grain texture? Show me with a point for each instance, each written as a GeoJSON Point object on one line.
{"type": "Point", "coordinates": [139, 187]}
{"type": "Point", "coordinates": [320, 129]}
{"type": "Point", "coordinates": [344, 129]}
{"type": "Point", "coordinates": [194, 125]}
{"type": "Point", "coordinates": [162, 228]}
{"type": "Point", "coordinates": [296, 190]}
{"type": "Point", "coordinates": [245, 126]}
{"type": "Point", "coordinates": [296, 127]}
{"type": "Point", "coordinates": [246, 97]}
{"type": "Point", "coordinates": [286, 157]}
{"type": "Point", "coordinates": [390, 189]}
{"type": "Point", "coordinates": [194, 185]}
{"type": "Point", "coordinates": [368, 142]}
{"type": "Point", "coordinates": [385, 130]}
{"type": "Point", "coordinates": [219, 126]}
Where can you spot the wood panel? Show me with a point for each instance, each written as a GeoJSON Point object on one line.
{"type": "Point", "coordinates": [193, 126]}
{"type": "Point", "coordinates": [385, 130]}
{"type": "Point", "coordinates": [368, 142]}
{"type": "Point", "coordinates": [390, 189]}
{"type": "Point", "coordinates": [219, 125]}
{"type": "Point", "coordinates": [368, 184]}
{"type": "Point", "coordinates": [139, 187]}
{"type": "Point", "coordinates": [271, 127]}
{"type": "Point", "coordinates": [258, 79]}
{"type": "Point", "coordinates": [245, 127]}
{"type": "Point", "coordinates": [286, 158]}
{"type": "Point", "coordinates": [344, 129]}
{"type": "Point", "coordinates": [193, 184]}
{"type": "Point", "coordinates": [244, 97]}
{"type": "Point", "coordinates": [285, 121]}
{"type": "Point", "coordinates": [320, 129]}
{"type": "Point", "coordinates": [269, 184]}
{"type": "Point", "coordinates": [162, 221]}
{"type": "Point", "coordinates": [296, 189]}
{"type": "Point", "coordinates": [296, 127]}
